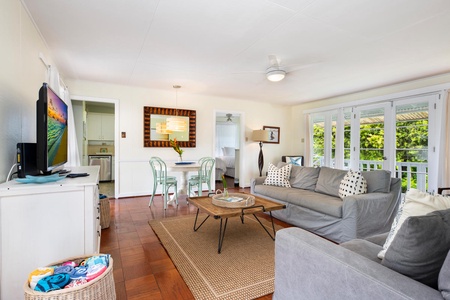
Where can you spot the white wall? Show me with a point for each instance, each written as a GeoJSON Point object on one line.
{"type": "Point", "coordinates": [135, 178]}
{"type": "Point", "coordinates": [22, 74]}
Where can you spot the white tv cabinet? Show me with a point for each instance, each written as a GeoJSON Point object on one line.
{"type": "Point", "coordinates": [44, 223]}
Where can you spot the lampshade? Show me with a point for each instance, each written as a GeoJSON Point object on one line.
{"type": "Point", "coordinates": [275, 75]}
{"type": "Point", "coordinates": [261, 135]}
{"type": "Point", "coordinates": [176, 124]}
{"type": "Point", "coordinates": [161, 128]}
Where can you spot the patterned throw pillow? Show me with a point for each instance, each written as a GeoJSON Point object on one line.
{"type": "Point", "coordinates": [353, 183]}
{"type": "Point", "coordinates": [278, 176]}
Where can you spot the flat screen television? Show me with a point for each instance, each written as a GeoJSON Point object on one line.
{"type": "Point", "coordinates": [52, 134]}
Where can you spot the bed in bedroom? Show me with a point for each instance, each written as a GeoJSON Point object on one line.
{"type": "Point", "coordinates": [226, 164]}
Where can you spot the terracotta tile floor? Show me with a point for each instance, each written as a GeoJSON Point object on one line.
{"type": "Point", "coordinates": [142, 268]}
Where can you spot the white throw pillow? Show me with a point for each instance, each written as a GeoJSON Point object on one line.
{"type": "Point", "coordinates": [416, 203]}
{"type": "Point", "coordinates": [278, 176]}
{"type": "Point", "coordinates": [353, 183]}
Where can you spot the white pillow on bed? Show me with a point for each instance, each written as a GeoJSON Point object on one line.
{"type": "Point", "coordinates": [228, 151]}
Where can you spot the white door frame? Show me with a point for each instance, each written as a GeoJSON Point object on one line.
{"type": "Point", "coordinates": [241, 115]}
{"type": "Point", "coordinates": [116, 103]}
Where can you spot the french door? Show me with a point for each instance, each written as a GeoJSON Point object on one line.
{"type": "Point", "coordinates": [401, 136]}
{"type": "Point", "coordinates": [372, 138]}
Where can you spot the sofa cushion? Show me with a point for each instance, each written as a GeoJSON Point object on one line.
{"type": "Point", "coordinates": [275, 192]}
{"type": "Point", "coordinates": [444, 275]}
{"type": "Point", "coordinates": [353, 183]}
{"type": "Point", "coordinates": [364, 248]}
{"type": "Point", "coordinates": [304, 177]}
{"type": "Point", "coordinates": [278, 176]}
{"type": "Point", "coordinates": [378, 181]}
{"type": "Point", "coordinates": [415, 203]}
{"type": "Point", "coordinates": [325, 204]}
{"type": "Point", "coordinates": [420, 247]}
{"type": "Point", "coordinates": [329, 181]}
{"type": "Point", "coordinates": [378, 239]}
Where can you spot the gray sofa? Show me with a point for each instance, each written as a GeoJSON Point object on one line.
{"type": "Point", "coordinates": [310, 267]}
{"type": "Point", "coordinates": [313, 203]}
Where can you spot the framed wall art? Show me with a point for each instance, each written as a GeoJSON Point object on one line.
{"type": "Point", "coordinates": [274, 135]}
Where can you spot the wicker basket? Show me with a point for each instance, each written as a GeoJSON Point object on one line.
{"type": "Point", "coordinates": [105, 215]}
{"type": "Point", "coordinates": [100, 288]}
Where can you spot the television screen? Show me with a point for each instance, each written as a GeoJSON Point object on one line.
{"type": "Point", "coordinates": [52, 135]}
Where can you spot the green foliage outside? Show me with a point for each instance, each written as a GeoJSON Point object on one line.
{"type": "Point", "coordinates": [411, 144]}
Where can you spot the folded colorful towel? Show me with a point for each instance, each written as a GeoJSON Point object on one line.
{"type": "Point", "coordinates": [98, 259]}
{"type": "Point", "coordinates": [69, 263]}
{"type": "Point", "coordinates": [37, 275]}
{"type": "Point", "coordinates": [76, 282]}
{"type": "Point", "coordinates": [63, 269]}
{"type": "Point", "coordinates": [78, 272]}
{"type": "Point", "coordinates": [52, 282]}
{"type": "Point", "coordinates": [94, 271]}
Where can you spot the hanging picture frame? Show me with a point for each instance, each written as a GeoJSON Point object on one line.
{"type": "Point", "coordinates": [274, 135]}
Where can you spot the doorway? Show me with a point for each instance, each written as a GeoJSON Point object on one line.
{"type": "Point", "coordinates": [228, 148]}
{"type": "Point", "coordinates": [95, 122]}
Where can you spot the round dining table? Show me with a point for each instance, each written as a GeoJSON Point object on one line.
{"type": "Point", "coordinates": [184, 168]}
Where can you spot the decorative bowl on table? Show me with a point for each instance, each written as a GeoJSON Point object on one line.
{"type": "Point", "coordinates": [233, 200]}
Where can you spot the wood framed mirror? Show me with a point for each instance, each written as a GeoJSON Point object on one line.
{"type": "Point", "coordinates": [158, 115]}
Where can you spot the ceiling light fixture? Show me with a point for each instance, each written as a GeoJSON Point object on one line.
{"type": "Point", "coordinates": [176, 123]}
{"type": "Point", "coordinates": [275, 74]}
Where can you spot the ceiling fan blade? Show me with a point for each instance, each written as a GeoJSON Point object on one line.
{"type": "Point", "coordinates": [293, 68]}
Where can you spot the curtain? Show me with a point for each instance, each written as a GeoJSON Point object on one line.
{"type": "Point", "coordinates": [58, 87]}
{"type": "Point", "coordinates": [444, 174]}
{"type": "Point", "coordinates": [73, 155]}
{"type": "Point", "coordinates": [307, 161]}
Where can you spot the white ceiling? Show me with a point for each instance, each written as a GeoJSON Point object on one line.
{"type": "Point", "coordinates": [221, 48]}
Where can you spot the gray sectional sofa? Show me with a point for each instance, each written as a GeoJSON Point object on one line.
{"type": "Point", "coordinates": [313, 203]}
{"type": "Point", "coordinates": [310, 267]}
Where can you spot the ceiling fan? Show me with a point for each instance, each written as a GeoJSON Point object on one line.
{"type": "Point", "coordinates": [277, 71]}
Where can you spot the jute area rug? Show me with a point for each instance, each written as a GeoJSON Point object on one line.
{"type": "Point", "coordinates": [243, 270]}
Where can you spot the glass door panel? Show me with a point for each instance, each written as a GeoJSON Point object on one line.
{"type": "Point", "coordinates": [371, 138]}
{"type": "Point", "coordinates": [411, 149]}
{"type": "Point", "coordinates": [318, 140]}
{"type": "Point", "coordinates": [347, 139]}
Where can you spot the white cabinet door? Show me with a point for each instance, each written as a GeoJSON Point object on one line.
{"type": "Point", "coordinates": [94, 126]}
{"type": "Point", "coordinates": [100, 126]}
{"type": "Point", "coordinates": [108, 127]}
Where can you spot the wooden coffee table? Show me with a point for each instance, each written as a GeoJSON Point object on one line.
{"type": "Point", "coordinates": [205, 205]}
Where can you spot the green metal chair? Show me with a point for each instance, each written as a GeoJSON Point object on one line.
{"type": "Point", "coordinates": [159, 171]}
{"type": "Point", "coordinates": [203, 175]}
